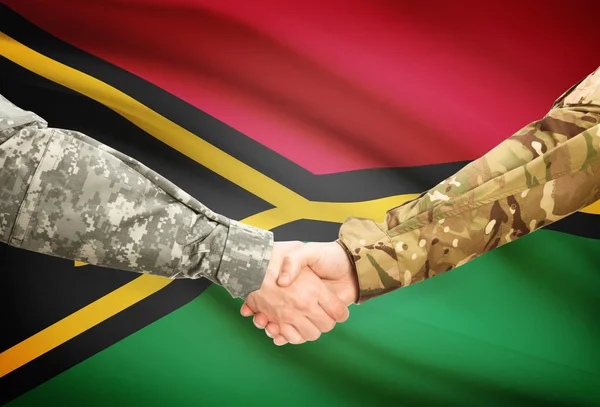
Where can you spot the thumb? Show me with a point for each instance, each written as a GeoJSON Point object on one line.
{"type": "Point", "coordinates": [293, 264]}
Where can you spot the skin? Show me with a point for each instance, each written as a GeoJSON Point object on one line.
{"type": "Point", "coordinates": [299, 267]}
{"type": "Point", "coordinates": [301, 311]}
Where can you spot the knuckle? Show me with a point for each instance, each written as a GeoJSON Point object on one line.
{"type": "Point", "coordinates": [286, 262]}
{"type": "Point", "coordinates": [293, 337]}
{"type": "Point", "coordinates": [297, 341]}
{"type": "Point", "coordinates": [302, 303]}
{"type": "Point", "coordinates": [311, 292]}
{"type": "Point", "coordinates": [287, 314]}
{"type": "Point", "coordinates": [341, 313]}
{"type": "Point", "coordinates": [329, 325]}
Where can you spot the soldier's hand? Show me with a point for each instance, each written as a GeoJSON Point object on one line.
{"type": "Point", "coordinates": [329, 262]}
{"type": "Point", "coordinates": [302, 310]}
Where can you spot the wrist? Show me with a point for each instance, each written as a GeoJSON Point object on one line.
{"type": "Point", "coordinates": [352, 290]}
{"type": "Point", "coordinates": [245, 259]}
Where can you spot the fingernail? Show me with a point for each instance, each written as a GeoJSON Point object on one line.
{"type": "Point", "coordinates": [268, 334]}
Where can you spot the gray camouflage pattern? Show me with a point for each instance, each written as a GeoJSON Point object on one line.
{"type": "Point", "coordinates": [65, 194]}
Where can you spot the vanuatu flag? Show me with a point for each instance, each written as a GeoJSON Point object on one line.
{"type": "Point", "coordinates": [291, 116]}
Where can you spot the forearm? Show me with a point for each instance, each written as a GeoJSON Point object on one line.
{"type": "Point", "coordinates": [541, 174]}
{"type": "Point", "coordinates": [65, 194]}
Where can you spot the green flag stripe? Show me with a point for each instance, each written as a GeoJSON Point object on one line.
{"type": "Point", "coordinates": [515, 327]}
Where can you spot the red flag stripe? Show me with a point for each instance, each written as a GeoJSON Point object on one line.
{"type": "Point", "coordinates": [339, 85]}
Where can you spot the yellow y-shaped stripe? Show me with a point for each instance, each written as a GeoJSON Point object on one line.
{"type": "Point", "coordinates": [289, 206]}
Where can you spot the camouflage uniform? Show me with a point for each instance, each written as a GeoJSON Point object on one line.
{"type": "Point", "coordinates": [65, 194]}
{"type": "Point", "coordinates": [541, 174]}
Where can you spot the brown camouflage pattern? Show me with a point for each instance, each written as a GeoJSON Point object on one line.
{"type": "Point", "coordinates": [65, 194]}
{"type": "Point", "coordinates": [543, 173]}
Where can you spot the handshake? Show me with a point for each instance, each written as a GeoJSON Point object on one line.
{"type": "Point", "coordinates": [307, 289]}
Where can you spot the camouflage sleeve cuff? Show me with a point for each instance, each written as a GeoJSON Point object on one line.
{"type": "Point", "coordinates": [245, 259]}
{"type": "Point", "coordinates": [372, 254]}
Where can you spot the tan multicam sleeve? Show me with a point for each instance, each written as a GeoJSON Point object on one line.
{"type": "Point", "coordinates": [543, 173]}
{"type": "Point", "coordinates": [67, 195]}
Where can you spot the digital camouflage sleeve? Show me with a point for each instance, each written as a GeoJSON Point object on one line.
{"type": "Point", "coordinates": [67, 195]}
{"type": "Point", "coordinates": [541, 174]}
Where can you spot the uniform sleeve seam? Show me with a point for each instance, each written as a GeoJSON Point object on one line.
{"type": "Point", "coordinates": [12, 240]}
{"type": "Point", "coordinates": [478, 204]}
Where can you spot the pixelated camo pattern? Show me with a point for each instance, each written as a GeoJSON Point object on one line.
{"type": "Point", "coordinates": [67, 195]}
{"type": "Point", "coordinates": [541, 174]}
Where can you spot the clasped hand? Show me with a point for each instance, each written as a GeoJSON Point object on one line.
{"type": "Point", "coordinates": [307, 290]}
